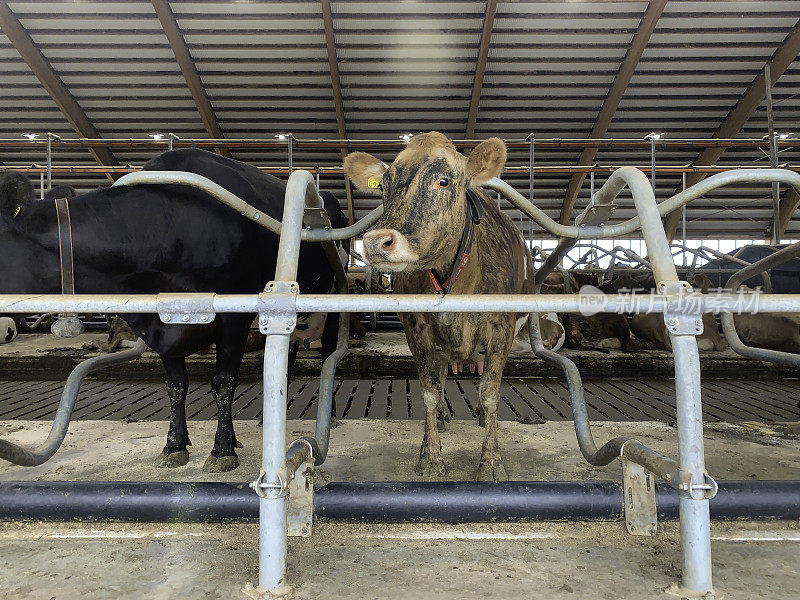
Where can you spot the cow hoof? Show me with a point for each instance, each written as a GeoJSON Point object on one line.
{"type": "Point", "coordinates": [430, 466]}
{"type": "Point", "coordinates": [492, 470]}
{"type": "Point", "coordinates": [220, 464]}
{"type": "Point", "coordinates": [172, 460]}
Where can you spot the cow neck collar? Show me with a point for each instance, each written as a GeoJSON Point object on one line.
{"type": "Point", "coordinates": [64, 223]}
{"type": "Point", "coordinates": [474, 212]}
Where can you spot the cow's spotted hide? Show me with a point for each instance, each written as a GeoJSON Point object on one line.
{"type": "Point", "coordinates": [8, 330]}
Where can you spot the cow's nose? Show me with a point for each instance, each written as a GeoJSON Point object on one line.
{"type": "Point", "coordinates": [380, 243]}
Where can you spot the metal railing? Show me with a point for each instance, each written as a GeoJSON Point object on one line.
{"type": "Point", "coordinates": [279, 304]}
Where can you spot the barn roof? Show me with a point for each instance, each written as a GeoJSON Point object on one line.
{"type": "Point", "coordinates": [363, 70]}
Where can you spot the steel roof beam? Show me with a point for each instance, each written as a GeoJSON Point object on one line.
{"type": "Point", "coordinates": [784, 55]}
{"type": "Point", "coordinates": [169, 24]}
{"type": "Point", "coordinates": [480, 68]}
{"type": "Point", "coordinates": [44, 72]}
{"type": "Point", "coordinates": [623, 77]}
{"type": "Point", "coordinates": [336, 86]}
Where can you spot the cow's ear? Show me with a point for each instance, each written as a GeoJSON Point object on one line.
{"type": "Point", "coordinates": [486, 161]}
{"type": "Point", "coordinates": [364, 170]}
{"type": "Point", "coordinates": [16, 193]}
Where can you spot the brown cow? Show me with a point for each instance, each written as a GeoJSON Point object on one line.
{"type": "Point", "coordinates": [651, 327]}
{"type": "Point", "coordinates": [423, 238]}
{"type": "Point", "coordinates": [772, 331]}
{"type": "Point", "coordinates": [603, 331]}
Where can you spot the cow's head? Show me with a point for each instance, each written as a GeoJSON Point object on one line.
{"type": "Point", "coordinates": [16, 194]}
{"type": "Point", "coordinates": [424, 199]}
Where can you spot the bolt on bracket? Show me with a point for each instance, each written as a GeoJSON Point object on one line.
{"type": "Point", "coordinates": [173, 309]}
{"type": "Point", "coordinates": [277, 308]}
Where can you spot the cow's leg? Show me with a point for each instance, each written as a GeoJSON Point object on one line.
{"type": "Point", "coordinates": [491, 466]}
{"type": "Point", "coordinates": [175, 453]}
{"type": "Point", "coordinates": [223, 386]}
{"type": "Point", "coordinates": [431, 462]}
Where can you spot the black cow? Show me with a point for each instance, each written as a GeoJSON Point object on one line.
{"type": "Point", "coordinates": [154, 238]}
{"type": "Point", "coordinates": [16, 190]}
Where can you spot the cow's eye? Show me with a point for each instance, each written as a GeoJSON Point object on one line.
{"type": "Point", "coordinates": [443, 182]}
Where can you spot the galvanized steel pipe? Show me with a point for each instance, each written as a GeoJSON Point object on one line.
{"type": "Point", "coordinates": [31, 458]}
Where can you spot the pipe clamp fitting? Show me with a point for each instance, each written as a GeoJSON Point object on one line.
{"type": "Point", "coordinates": [174, 309]}
{"type": "Point", "coordinates": [277, 308]}
{"type": "Point", "coordinates": [268, 490]}
{"type": "Point", "coordinates": [682, 315]}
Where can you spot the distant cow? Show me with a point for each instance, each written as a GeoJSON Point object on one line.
{"type": "Point", "coordinates": [770, 331]}
{"type": "Point", "coordinates": [651, 326]}
{"type": "Point", "coordinates": [440, 233]}
{"type": "Point", "coordinates": [603, 331]}
{"type": "Point", "coordinates": [8, 329]}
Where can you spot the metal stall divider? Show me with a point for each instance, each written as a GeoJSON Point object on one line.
{"type": "Point", "coordinates": [279, 304]}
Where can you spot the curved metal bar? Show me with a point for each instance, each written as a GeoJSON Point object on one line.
{"type": "Point", "coordinates": [616, 182]}
{"type": "Point", "coordinates": [243, 208]}
{"type": "Point", "coordinates": [726, 318]}
{"type": "Point", "coordinates": [31, 458]}
{"type": "Point", "coordinates": [615, 448]}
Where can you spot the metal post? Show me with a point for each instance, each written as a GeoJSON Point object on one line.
{"type": "Point", "coordinates": [695, 523]}
{"type": "Point", "coordinates": [272, 505]}
{"type": "Point", "coordinates": [532, 139]}
{"type": "Point", "coordinates": [170, 138]}
{"type": "Point", "coordinates": [653, 162]}
{"type": "Point", "coordinates": [289, 144]}
{"type": "Point", "coordinates": [271, 485]}
{"type": "Point", "coordinates": [49, 161]}
{"type": "Point", "coordinates": [683, 218]}
{"type": "Point", "coordinates": [591, 198]}
{"type": "Point", "coordinates": [773, 155]}
{"type": "Point", "coordinates": [41, 186]}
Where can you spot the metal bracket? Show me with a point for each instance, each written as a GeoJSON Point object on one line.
{"type": "Point", "coordinates": [316, 218]}
{"type": "Point", "coordinates": [277, 308]}
{"type": "Point", "coordinates": [173, 309]}
{"type": "Point", "coordinates": [681, 317]}
{"type": "Point", "coordinates": [595, 214]}
{"type": "Point", "coordinates": [300, 511]}
{"type": "Point", "coordinates": [639, 500]}
{"type": "Point", "coordinates": [270, 490]}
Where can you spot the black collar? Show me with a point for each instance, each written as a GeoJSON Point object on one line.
{"type": "Point", "coordinates": [474, 213]}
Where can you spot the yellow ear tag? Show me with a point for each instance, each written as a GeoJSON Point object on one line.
{"type": "Point", "coordinates": [373, 182]}
{"type": "Point", "coordinates": [16, 210]}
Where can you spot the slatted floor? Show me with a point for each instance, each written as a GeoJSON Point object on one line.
{"type": "Point", "coordinates": [527, 400]}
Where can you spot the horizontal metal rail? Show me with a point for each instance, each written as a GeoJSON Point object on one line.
{"type": "Point", "coordinates": [520, 170]}
{"type": "Point", "coordinates": [378, 144]}
{"type": "Point", "coordinates": [254, 303]}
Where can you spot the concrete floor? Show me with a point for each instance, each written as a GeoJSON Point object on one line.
{"type": "Point", "coordinates": [548, 560]}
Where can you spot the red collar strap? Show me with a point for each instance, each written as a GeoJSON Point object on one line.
{"type": "Point", "coordinates": [474, 211]}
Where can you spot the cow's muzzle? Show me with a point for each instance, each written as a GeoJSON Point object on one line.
{"type": "Point", "coordinates": [388, 249]}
